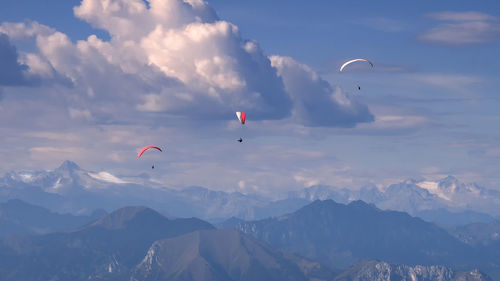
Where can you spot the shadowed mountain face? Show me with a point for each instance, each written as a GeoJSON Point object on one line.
{"type": "Point", "coordinates": [18, 217]}
{"type": "Point", "coordinates": [339, 235]}
{"type": "Point", "coordinates": [478, 234]}
{"type": "Point", "coordinates": [137, 243]}
{"type": "Point", "coordinates": [107, 249]}
{"type": "Point", "coordinates": [382, 271]}
{"type": "Point", "coordinates": [223, 255]}
{"type": "Point", "coordinates": [485, 237]}
{"type": "Point", "coordinates": [448, 218]}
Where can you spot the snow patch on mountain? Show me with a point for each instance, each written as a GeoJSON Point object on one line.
{"type": "Point", "coordinates": [433, 188]}
{"type": "Point", "coordinates": [107, 177]}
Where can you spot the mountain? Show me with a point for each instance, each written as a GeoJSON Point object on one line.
{"type": "Point", "coordinates": [72, 189]}
{"type": "Point", "coordinates": [478, 234]}
{"type": "Point", "coordinates": [106, 249]}
{"type": "Point", "coordinates": [443, 201]}
{"type": "Point", "coordinates": [223, 255]}
{"type": "Point", "coordinates": [382, 271]}
{"type": "Point", "coordinates": [338, 235]}
{"type": "Point", "coordinates": [447, 218]}
{"type": "Point", "coordinates": [18, 217]}
{"type": "Point", "coordinates": [485, 238]}
{"type": "Point", "coordinates": [138, 243]}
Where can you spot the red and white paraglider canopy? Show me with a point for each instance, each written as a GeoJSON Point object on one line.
{"type": "Point", "coordinates": [146, 148]}
{"type": "Point", "coordinates": [241, 116]}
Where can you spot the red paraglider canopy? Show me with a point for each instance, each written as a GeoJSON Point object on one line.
{"type": "Point", "coordinates": [241, 116]}
{"type": "Point", "coordinates": [146, 148]}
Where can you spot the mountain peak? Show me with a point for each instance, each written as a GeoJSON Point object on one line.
{"type": "Point", "coordinates": [361, 204]}
{"type": "Point", "coordinates": [69, 166]}
{"type": "Point", "coordinates": [449, 180]}
{"type": "Point", "coordinates": [128, 215]}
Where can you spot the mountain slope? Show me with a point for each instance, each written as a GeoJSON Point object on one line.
{"type": "Point", "coordinates": [339, 235]}
{"type": "Point", "coordinates": [223, 255]}
{"type": "Point", "coordinates": [382, 271]}
{"type": "Point", "coordinates": [107, 248]}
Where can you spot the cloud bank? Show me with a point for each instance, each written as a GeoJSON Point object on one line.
{"type": "Point", "coordinates": [172, 58]}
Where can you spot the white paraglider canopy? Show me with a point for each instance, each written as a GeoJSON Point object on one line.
{"type": "Point", "coordinates": [354, 60]}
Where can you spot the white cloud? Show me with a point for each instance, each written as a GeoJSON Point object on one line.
{"type": "Point", "coordinates": [453, 82]}
{"type": "Point", "coordinates": [461, 16]}
{"type": "Point", "coordinates": [79, 114]}
{"type": "Point", "coordinates": [316, 102]}
{"type": "Point", "coordinates": [394, 124]}
{"type": "Point", "coordinates": [174, 57]}
{"type": "Point", "coordinates": [463, 28]}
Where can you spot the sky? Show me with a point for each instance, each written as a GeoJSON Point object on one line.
{"type": "Point", "coordinates": [94, 81]}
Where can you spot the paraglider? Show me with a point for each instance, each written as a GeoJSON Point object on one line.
{"type": "Point", "coordinates": [241, 116]}
{"type": "Point", "coordinates": [147, 148]}
{"type": "Point", "coordinates": [354, 60]}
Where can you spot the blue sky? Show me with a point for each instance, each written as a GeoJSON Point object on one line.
{"type": "Point", "coordinates": [429, 107]}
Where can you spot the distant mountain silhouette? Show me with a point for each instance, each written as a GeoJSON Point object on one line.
{"type": "Point", "coordinates": [18, 217]}
{"type": "Point", "coordinates": [139, 244]}
{"type": "Point", "coordinates": [339, 235]}
{"type": "Point", "coordinates": [478, 234]}
{"type": "Point", "coordinates": [447, 218]}
{"type": "Point", "coordinates": [223, 255]}
{"type": "Point", "coordinates": [106, 249]}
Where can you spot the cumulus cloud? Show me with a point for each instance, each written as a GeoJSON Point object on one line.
{"type": "Point", "coordinates": [177, 58]}
{"type": "Point", "coordinates": [316, 102]}
{"type": "Point", "coordinates": [463, 28]}
{"type": "Point", "coordinates": [12, 73]}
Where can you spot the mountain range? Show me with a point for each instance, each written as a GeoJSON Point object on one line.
{"type": "Point", "coordinates": [340, 235]}
{"type": "Point", "coordinates": [105, 249]}
{"type": "Point", "coordinates": [71, 189]}
{"type": "Point", "coordinates": [139, 244]}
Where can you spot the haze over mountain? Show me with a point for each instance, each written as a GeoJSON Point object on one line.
{"type": "Point", "coordinates": [18, 217]}
{"type": "Point", "coordinates": [70, 188]}
{"type": "Point", "coordinates": [417, 197]}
